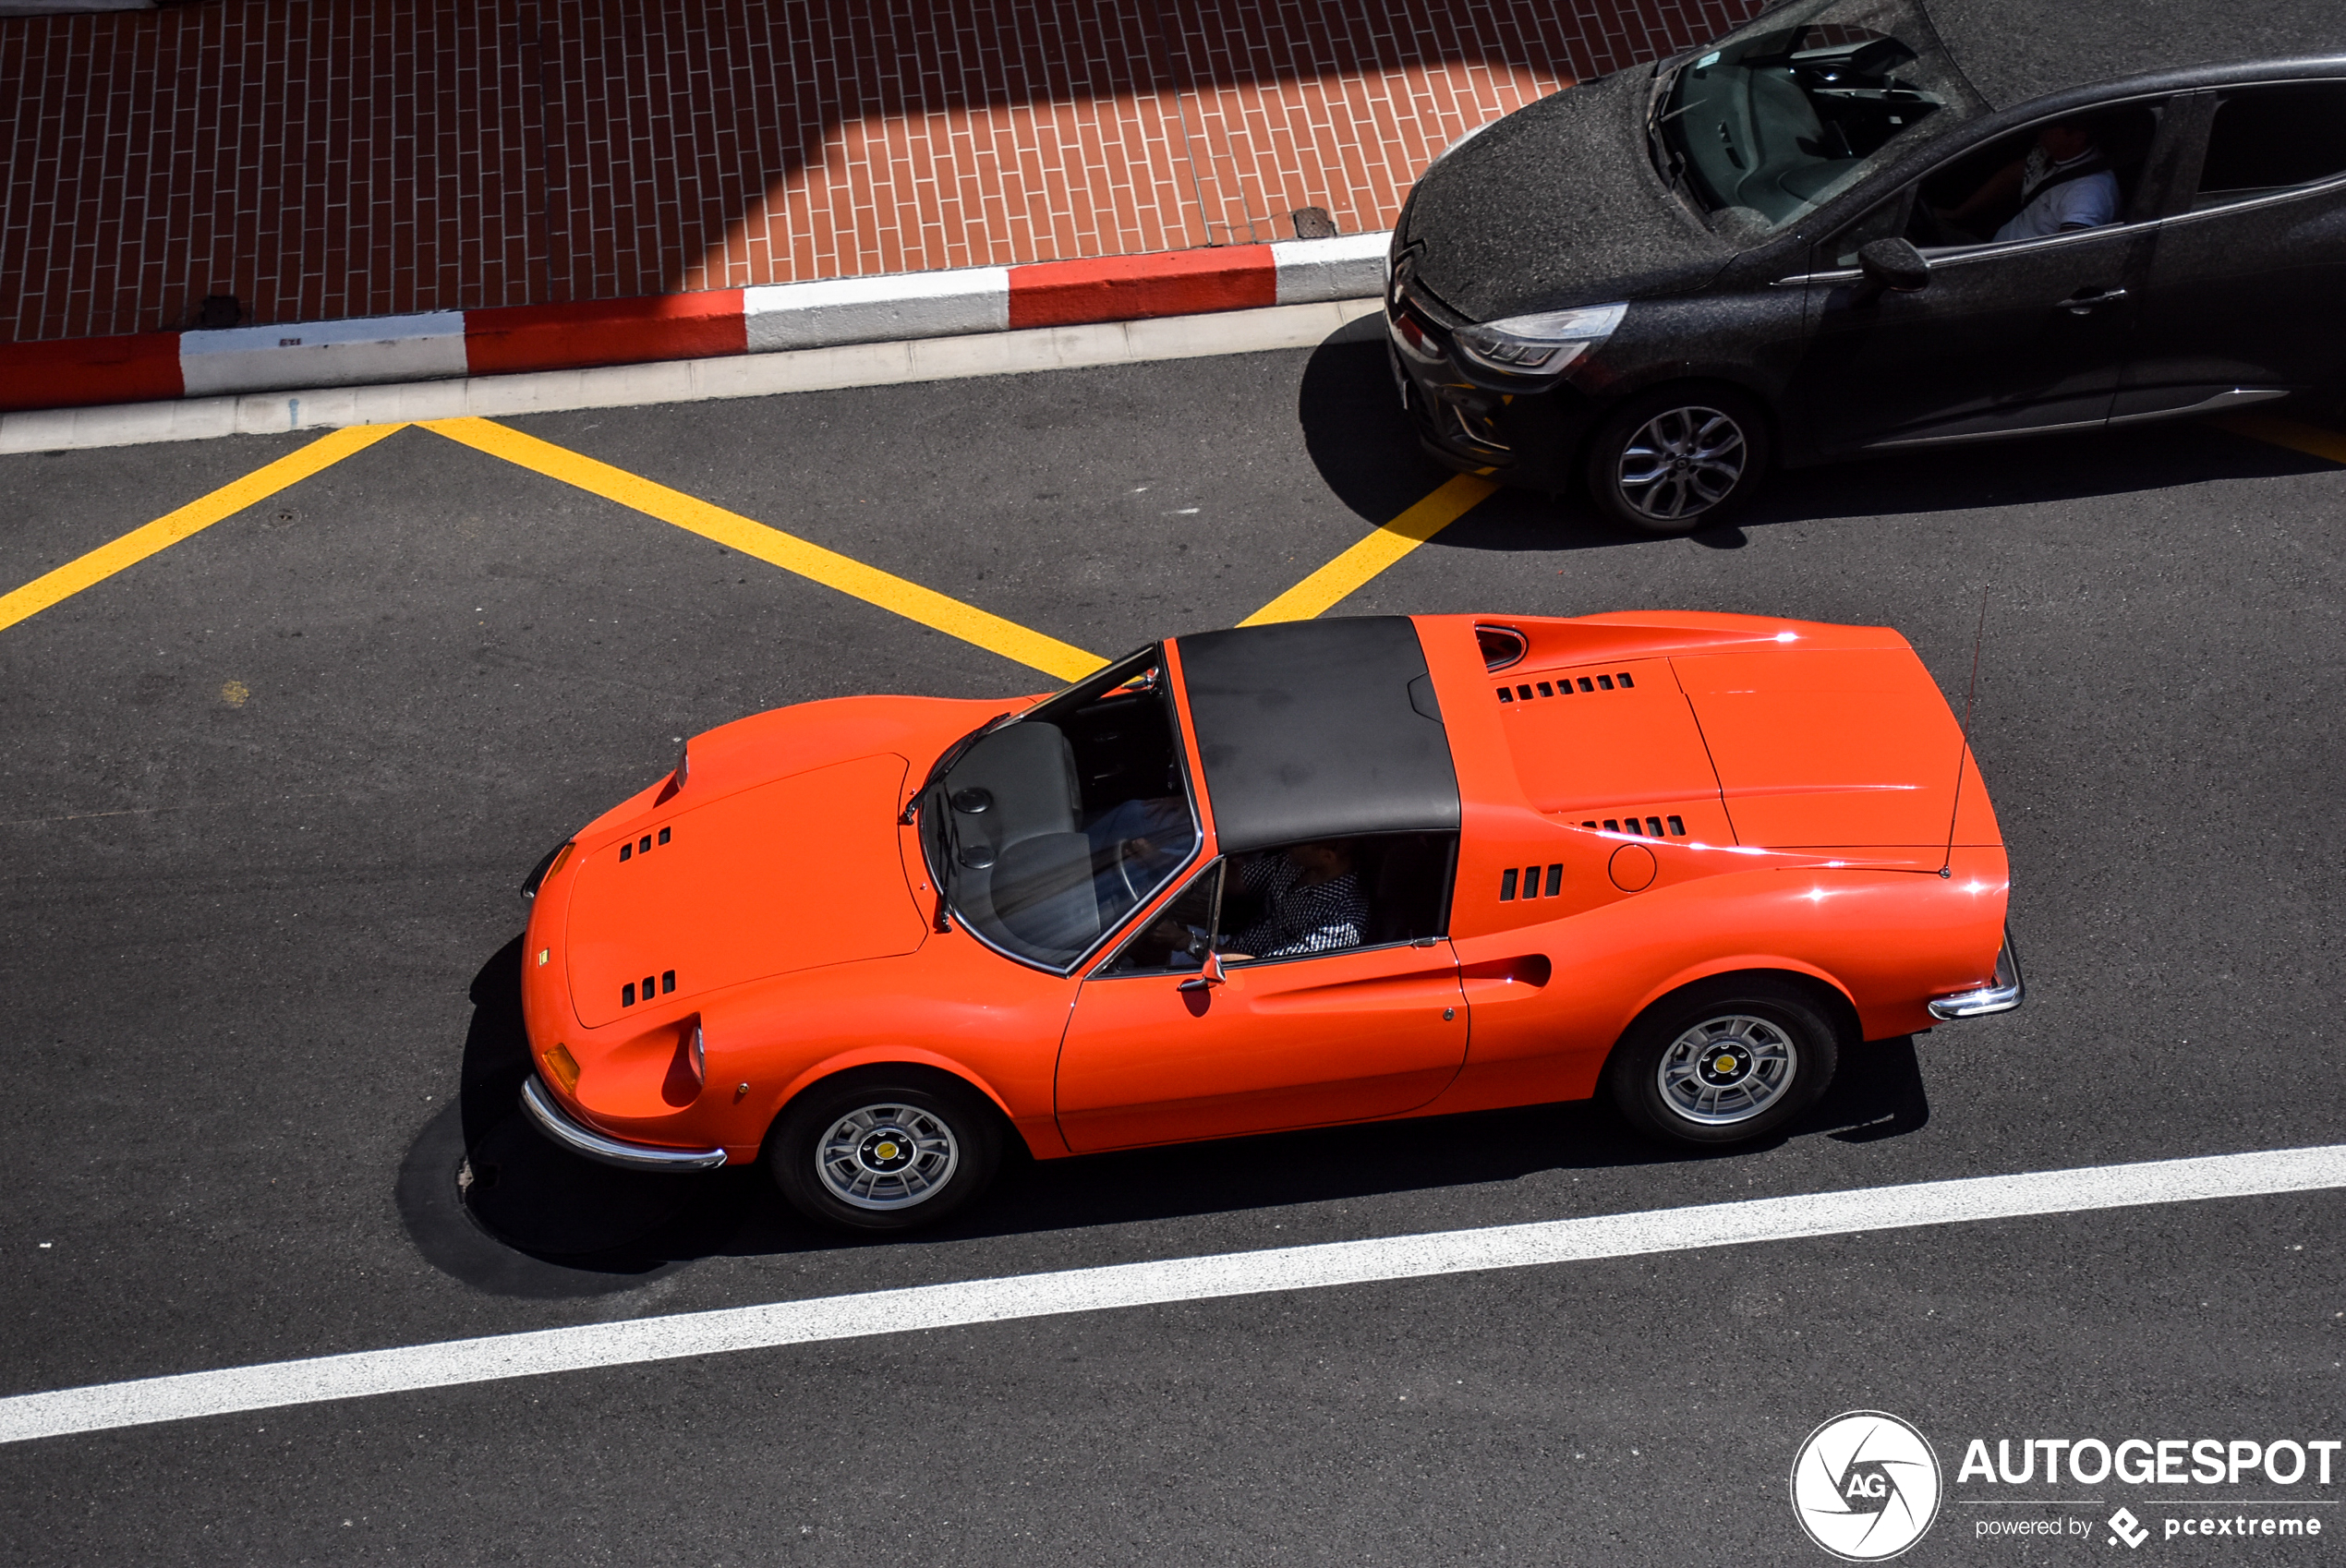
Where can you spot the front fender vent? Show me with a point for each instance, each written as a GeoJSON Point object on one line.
{"type": "Point", "coordinates": [642, 845]}
{"type": "Point", "coordinates": [651, 985]}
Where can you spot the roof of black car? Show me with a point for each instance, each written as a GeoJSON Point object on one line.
{"type": "Point", "coordinates": [2012, 51]}
{"type": "Point", "coordinates": [1319, 730]}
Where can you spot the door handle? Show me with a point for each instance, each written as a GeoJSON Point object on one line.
{"type": "Point", "coordinates": [2083, 303]}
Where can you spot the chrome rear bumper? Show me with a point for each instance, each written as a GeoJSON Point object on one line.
{"type": "Point", "coordinates": [2000, 996]}
{"type": "Point", "coordinates": [559, 1124]}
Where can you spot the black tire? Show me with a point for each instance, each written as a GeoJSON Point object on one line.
{"type": "Point", "coordinates": [1717, 1041]}
{"type": "Point", "coordinates": [1706, 447]}
{"type": "Point", "coordinates": [908, 1115]}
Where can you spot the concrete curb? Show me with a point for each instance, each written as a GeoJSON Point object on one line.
{"type": "Point", "coordinates": [691, 380]}
{"type": "Point", "coordinates": [712, 324]}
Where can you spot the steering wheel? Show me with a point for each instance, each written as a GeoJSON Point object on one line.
{"type": "Point", "coordinates": [1925, 227]}
{"type": "Point", "coordinates": [1129, 870]}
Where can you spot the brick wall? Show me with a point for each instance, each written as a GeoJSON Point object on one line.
{"type": "Point", "coordinates": [379, 157]}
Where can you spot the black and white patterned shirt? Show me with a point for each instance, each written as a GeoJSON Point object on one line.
{"type": "Point", "coordinates": [1324, 918]}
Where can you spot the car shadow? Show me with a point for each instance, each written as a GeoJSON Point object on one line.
{"type": "Point", "coordinates": [490, 1202]}
{"type": "Point", "coordinates": [1367, 453]}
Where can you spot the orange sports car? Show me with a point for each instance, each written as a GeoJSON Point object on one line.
{"type": "Point", "coordinates": [1280, 877]}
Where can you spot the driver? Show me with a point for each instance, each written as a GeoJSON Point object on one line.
{"type": "Point", "coordinates": [2064, 183]}
{"type": "Point", "coordinates": [1312, 902]}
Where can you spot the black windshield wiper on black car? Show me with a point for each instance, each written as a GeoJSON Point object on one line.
{"type": "Point", "coordinates": [1666, 162]}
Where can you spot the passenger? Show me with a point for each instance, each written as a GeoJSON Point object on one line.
{"type": "Point", "coordinates": [1312, 902]}
{"type": "Point", "coordinates": [2064, 183]}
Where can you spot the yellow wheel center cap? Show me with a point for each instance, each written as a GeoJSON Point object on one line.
{"type": "Point", "coordinates": [1724, 1064]}
{"type": "Point", "coordinates": [885, 1151]}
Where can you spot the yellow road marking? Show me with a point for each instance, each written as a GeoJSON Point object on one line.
{"type": "Point", "coordinates": [772, 546]}
{"type": "Point", "coordinates": [2311, 439]}
{"type": "Point", "coordinates": [1323, 589]}
{"type": "Point", "coordinates": [191, 519]}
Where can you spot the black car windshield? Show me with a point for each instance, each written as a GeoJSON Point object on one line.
{"type": "Point", "coordinates": [1772, 121]}
{"type": "Point", "coordinates": [1047, 831]}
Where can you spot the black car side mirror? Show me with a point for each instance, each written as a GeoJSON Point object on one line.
{"type": "Point", "coordinates": [1893, 266]}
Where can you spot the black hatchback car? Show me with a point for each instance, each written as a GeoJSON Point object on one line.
{"type": "Point", "coordinates": [1866, 226]}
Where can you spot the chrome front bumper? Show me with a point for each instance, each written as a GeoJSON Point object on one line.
{"type": "Point", "coordinates": [2001, 995]}
{"type": "Point", "coordinates": [559, 1124]}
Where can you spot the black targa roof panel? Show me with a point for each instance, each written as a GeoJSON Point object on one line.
{"type": "Point", "coordinates": [2012, 51]}
{"type": "Point", "coordinates": [1312, 730]}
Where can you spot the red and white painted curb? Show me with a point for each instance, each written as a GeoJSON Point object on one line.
{"type": "Point", "coordinates": [154, 367]}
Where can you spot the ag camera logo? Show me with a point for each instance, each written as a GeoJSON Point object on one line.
{"type": "Point", "coordinates": [1865, 1486]}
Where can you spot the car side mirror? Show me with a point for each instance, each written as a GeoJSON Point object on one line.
{"type": "Point", "coordinates": [1893, 266]}
{"type": "Point", "coordinates": [1208, 976]}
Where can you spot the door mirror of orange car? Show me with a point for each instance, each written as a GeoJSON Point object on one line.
{"type": "Point", "coordinates": [1209, 976]}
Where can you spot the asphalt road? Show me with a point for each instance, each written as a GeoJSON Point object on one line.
{"type": "Point", "coordinates": [267, 795]}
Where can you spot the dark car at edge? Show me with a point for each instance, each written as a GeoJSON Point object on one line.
{"type": "Point", "coordinates": [1864, 226]}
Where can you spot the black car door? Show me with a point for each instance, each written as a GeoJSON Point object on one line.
{"type": "Point", "coordinates": [2246, 297]}
{"type": "Point", "coordinates": [2008, 336]}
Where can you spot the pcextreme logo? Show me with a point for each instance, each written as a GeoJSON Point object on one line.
{"type": "Point", "coordinates": [1865, 1486]}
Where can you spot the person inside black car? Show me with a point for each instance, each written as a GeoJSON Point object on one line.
{"type": "Point", "coordinates": [2064, 182]}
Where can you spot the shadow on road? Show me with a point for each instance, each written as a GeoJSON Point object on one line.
{"type": "Point", "coordinates": [489, 1200]}
{"type": "Point", "coordinates": [1367, 453]}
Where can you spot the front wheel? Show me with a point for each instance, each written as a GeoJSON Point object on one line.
{"type": "Point", "coordinates": [881, 1150]}
{"type": "Point", "coordinates": [1724, 1064]}
{"type": "Point", "coordinates": [1677, 458]}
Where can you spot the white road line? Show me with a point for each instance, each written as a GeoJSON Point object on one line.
{"type": "Point", "coordinates": [193, 1394]}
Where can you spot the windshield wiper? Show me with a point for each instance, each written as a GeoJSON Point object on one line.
{"type": "Point", "coordinates": [945, 760]}
{"type": "Point", "coordinates": [948, 845]}
{"type": "Point", "coordinates": [1666, 163]}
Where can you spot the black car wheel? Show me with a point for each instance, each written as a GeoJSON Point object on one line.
{"type": "Point", "coordinates": [1724, 1063]}
{"type": "Point", "coordinates": [885, 1150]}
{"type": "Point", "coordinates": [1677, 458]}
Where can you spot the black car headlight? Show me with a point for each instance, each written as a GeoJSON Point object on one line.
{"type": "Point", "coordinates": [1541, 347]}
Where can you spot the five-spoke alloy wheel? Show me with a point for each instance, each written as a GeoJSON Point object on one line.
{"type": "Point", "coordinates": [1677, 458]}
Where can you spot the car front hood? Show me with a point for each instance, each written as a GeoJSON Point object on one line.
{"type": "Point", "coordinates": [1835, 748]}
{"type": "Point", "coordinates": [1555, 206]}
{"type": "Point", "coordinates": [792, 874]}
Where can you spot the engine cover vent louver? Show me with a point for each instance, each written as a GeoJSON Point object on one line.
{"type": "Point", "coordinates": [1532, 691]}
{"type": "Point", "coordinates": [1653, 829]}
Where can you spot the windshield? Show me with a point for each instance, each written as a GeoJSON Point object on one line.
{"type": "Point", "coordinates": [1048, 830]}
{"type": "Point", "coordinates": [1771, 123]}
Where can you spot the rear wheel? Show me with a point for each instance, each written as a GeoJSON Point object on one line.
{"type": "Point", "coordinates": [885, 1150]}
{"type": "Point", "coordinates": [1724, 1063]}
{"type": "Point", "coordinates": [1677, 458]}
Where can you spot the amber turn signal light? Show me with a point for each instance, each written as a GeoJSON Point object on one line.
{"type": "Point", "coordinates": [564, 1067]}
